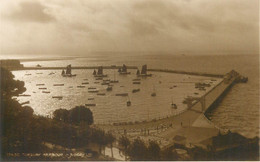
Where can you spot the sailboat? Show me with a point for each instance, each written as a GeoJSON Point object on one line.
{"type": "Point", "coordinates": [68, 72]}
{"type": "Point", "coordinates": [173, 105]}
{"type": "Point", "coordinates": [123, 70]}
{"type": "Point", "coordinates": [63, 72]}
{"type": "Point", "coordinates": [99, 72]}
{"type": "Point", "coordinates": [94, 72]}
{"type": "Point", "coordinates": [128, 103]}
{"type": "Point", "coordinates": [154, 93]}
{"type": "Point", "coordinates": [143, 72]}
{"type": "Point", "coordinates": [138, 72]}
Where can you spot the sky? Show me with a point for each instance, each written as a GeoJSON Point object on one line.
{"type": "Point", "coordinates": [79, 27]}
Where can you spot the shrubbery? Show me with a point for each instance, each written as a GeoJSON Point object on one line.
{"type": "Point", "coordinates": [75, 115]}
{"type": "Point", "coordinates": [138, 150]}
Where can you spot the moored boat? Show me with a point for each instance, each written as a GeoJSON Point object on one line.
{"type": "Point", "coordinates": [105, 83]}
{"type": "Point", "coordinates": [81, 86]}
{"type": "Point", "coordinates": [136, 90]}
{"type": "Point", "coordinates": [153, 93]}
{"type": "Point", "coordinates": [58, 84]}
{"type": "Point", "coordinates": [128, 103]}
{"type": "Point", "coordinates": [58, 97]}
{"type": "Point", "coordinates": [122, 94]}
{"type": "Point", "coordinates": [109, 88]}
{"type": "Point", "coordinates": [99, 73]}
{"type": "Point", "coordinates": [93, 91]}
{"type": "Point", "coordinates": [40, 84]}
{"type": "Point", "coordinates": [143, 72]}
{"type": "Point", "coordinates": [42, 88]}
{"type": "Point", "coordinates": [68, 72]}
{"type": "Point", "coordinates": [123, 71]}
{"type": "Point", "coordinates": [114, 81]}
{"type": "Point", "coordinates": [90, 104]}
{"type": "Point", "coordinates": [173, 105]}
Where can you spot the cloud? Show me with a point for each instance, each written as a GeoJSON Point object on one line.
{"type": "Point", "coordinates": [31, 12]}
{"type": "Point", "coordinates": [136, 25]}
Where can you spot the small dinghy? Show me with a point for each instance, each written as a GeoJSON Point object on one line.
{"type": "Point", "coordinates": [58, 97]}
{"type": "Point", "coordinates": [90, 104]}
{"type": "Point", "coordinates": [40, 84]}
{"type": "Point", "coordinates": [122, 94]}
{"type": "Point", "coordinates": [42, 88]}
{"type": "Point", "coordinates": [58, 84]}
{"type": "Point", "coordinates": [135, 90]}
{"type": "Point", "coordinates": [81, 86]}
{"type": "Point", "coordinates": [93, 91]}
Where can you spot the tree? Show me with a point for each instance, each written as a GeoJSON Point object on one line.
{"type": "Point", "coordinates": [17, 122]}
{"type": "Point", "coordinates": [81, 114]}
{"type": "Point", "coordinates": [8, 86]}
{"type": "Point", "coordinates": [98, 137]}
{"type": "Point", "coordinates": [198, 153]}
{"type": "Point", "coordinates": [110, 139]}
{"type": "Point", "coordinates": [154, 151]}
{"type": "Point", "coordinates": [124, 142]}
{"type": "Point", "coordinates": [61, 115]}
{"type": "Point", "coordinates": [138, 150]}
{"type": "Point", "coordinates": [169, 155]}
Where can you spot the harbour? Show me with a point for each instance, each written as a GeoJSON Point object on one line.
{"type": "Point", "coordinates": [178, 126]}
{"type": "Point", "coordinates": [129, 80]}
{"type": "Point", "coordinates": [182, 123]}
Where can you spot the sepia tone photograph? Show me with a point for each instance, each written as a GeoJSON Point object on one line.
{"type": "Point", "coordinates": [129, 80]}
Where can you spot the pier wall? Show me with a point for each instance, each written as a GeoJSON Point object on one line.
{"type": "Point", "coordinates": [188, 73]}
{"type": "Point", "coordinates": [225, 89]}
{"type": "Point", "coordinates": [73, 67]}
{"type": "Point", "coordinates": [117, 67]}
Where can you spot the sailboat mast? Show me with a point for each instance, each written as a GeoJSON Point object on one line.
{"type": "Point", "coordinates": [114, 75]}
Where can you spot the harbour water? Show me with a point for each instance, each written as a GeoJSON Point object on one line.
{"type": "Point", "coordinates": [110, 108]}
{"type": "Point", "coordinates": [239, 111]}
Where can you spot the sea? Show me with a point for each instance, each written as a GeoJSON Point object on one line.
{"type": "Point", "coordinates": [238, 111]}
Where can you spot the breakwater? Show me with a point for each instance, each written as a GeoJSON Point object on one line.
{"type": "Point", "coordinates": [186, 72]}
{"type": "Point", "coordinates": [73, 67]}
{"type": "Point", "coordinates": [117, 67]}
